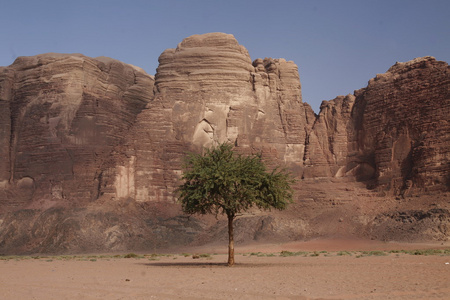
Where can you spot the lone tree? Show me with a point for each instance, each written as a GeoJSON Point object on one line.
{"type": "Point", "coordinates": [224, 182]}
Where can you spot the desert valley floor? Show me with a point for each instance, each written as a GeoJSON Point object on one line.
{"type": "Point", "coordinates": [317, 269]}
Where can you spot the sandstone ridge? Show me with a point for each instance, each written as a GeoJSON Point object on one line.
{"type": "Point", "coordinates": [91, 148]}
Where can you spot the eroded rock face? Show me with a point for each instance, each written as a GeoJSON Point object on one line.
{"type": "Point", "coordinates": [327, 144]}
{"type": "Point", "coordinates": [208, 91]}
{"type": "Point", "coordinates": [394, 134]}
{"type": "Point", "coordinates": [401, 128]}
{"type": "Point", "coordinates": [91, 149]}
{"type": "Point", "coordinates": [62, 116]}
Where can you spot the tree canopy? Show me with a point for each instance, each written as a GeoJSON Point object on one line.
{"type": "Point", "coordinates": [224, 182]}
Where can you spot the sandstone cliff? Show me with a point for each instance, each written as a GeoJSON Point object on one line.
{"type": "Point", "coordinates": [393, 134]}
{"type": "Point", "coordinates": [401, 127]}
{"type": "Point", "coordinates": [208, 91]}
{"type": "Point", "coordinates": [91, 148]}
{"type": "Point", "coordinates": [62, 116]}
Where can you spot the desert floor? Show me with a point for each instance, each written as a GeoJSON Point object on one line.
{"type": "Point", "coordinates": [321, 269]}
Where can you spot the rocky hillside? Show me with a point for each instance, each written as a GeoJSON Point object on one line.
{"type": "Point", "coordinates": [91, 148]}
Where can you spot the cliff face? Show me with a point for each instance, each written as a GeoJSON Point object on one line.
{"type": "Point", "coordinates": [91, 148]}
{"type": "Point", "coordinates": [393, 134]}
{"type": "Point", "coordinates": [207, 91]}
{"type": "Point", "coordinates": [401, 127]}
{"type": "Point", "coordinates": [327, 141]}
{"type": "Point", "coordinates": [62, 116]}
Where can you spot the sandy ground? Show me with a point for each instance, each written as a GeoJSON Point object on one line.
{"type": "Point", "coordinates": [327, 276]}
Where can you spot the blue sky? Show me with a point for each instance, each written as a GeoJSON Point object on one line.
{"type": "Point", "coordinates": [337, 44]}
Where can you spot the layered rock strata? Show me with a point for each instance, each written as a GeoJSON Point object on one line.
{"type": "Point", "coordinates": [62, 116]}
{"type": "Point", "coordinates": [394, 134]}
{"type": "Point", "coordinates": [401, 130]}
{"type": "Point", "coordinates": [327, 141]}
{"type": "Point", "coordinates": [91, 149]}
{"type": "Point", "coordinates": [208, 91]}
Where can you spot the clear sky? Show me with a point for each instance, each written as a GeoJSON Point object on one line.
{"type": "Point", "coordinates": [337, 44]}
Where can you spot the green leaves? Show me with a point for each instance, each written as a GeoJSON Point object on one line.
{"type": "Point", "coordinates": [221, 181]}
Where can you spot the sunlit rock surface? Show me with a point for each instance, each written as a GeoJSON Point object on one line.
{"type": "Point", "coordinates": [62, 116]}
{"type": "Point", "coordinates": [91, 148]}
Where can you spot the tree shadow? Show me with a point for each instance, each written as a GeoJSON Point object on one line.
{"type": "Point", "coordinates": [198, 264]}
{"type": "Point", "coordinates": [204, 264]}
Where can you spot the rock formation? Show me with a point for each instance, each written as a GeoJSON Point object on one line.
{"type": "Point", "coordinates": [62, 116]}
{"type": "Point", "coordinates": [327, 144]}
{"type": "Point", "coordinates": [393, 134]}
{"type": "Point", "coordinates": [207, 91]}
{"type": "Point", "coordinates": [91, 148]}
{"type": "Point", "coordinates": [401, 127]}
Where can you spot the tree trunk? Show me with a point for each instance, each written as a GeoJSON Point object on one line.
{"type": "Point", "coordinates": [230, 241]}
